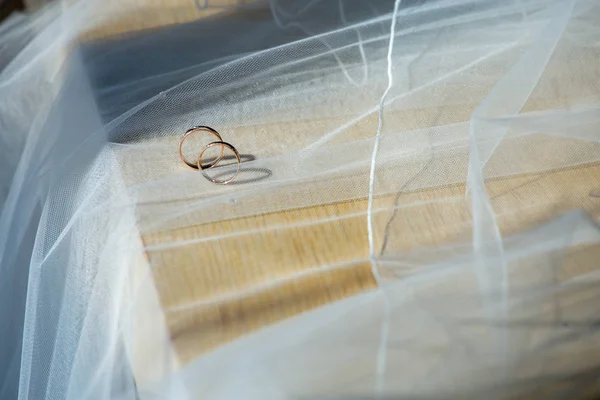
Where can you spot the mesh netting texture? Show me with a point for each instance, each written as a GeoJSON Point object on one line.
{"type": "Point", "coordinates": [415, 215]}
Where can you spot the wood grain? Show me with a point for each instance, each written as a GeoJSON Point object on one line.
{"type": "Point", "coordinates": [218, 281]}
{"type": "Point", "coordinates": [216, 290]}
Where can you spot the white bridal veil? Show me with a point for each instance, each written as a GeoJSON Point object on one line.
{"type": "Point", "coordinates": [445, 150]}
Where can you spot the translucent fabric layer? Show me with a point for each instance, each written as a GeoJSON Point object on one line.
{"type": "Point", "coordinates": [415, 215]}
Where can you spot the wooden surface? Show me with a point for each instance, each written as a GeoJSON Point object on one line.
{"type": "Point", "coordinates": [250, 272]}
{"type": "Point", "coordinates": [236, 276]}
{"type": "Point", "coordinates": [128, 17]}
{"type": "Point", "coordinates": [216, 290]}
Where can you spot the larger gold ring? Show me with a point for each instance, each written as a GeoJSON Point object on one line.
{"type": "Point", "coordinates": [223, 145]}
{"type": "Point", "coordinates": [192, 131]}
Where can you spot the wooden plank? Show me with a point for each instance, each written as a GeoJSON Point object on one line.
{"type": "Point", "coordinates": [142, 15]}
{"type": "Point", "coordinates": [226, 285]}
{"type": "Point", "coordinates": [235, 276]}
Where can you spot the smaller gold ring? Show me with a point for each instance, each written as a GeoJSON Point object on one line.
{"type": "Point", "coordinates": [223, 145]}
{"type": "Point", "coordinates": [200, 129]}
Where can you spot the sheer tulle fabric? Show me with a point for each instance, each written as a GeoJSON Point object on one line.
{"type": "Point", "coordinates": [379, 98]}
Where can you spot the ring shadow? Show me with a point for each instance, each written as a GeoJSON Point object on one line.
{"type": "Point", "coordinates": [258, 174]}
